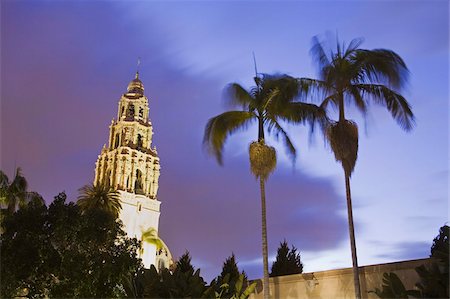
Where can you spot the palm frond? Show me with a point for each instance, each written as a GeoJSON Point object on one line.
{"type": "Point", "coordinates": [299, 112]}
{"type": "Point", "coordinates": [276, 90]}
{"type": "Point", "coordinates": [19, 185]}
{"type": "Point", "coordinates": [397, 105]}
{"type": "Point", "coordinates": [4, 180]}
{"type": "Point", "coordinates": [16, 192]}
{"type": "Point", "coordinates": [100, 197]}
{"type": "Point", "coordinates": [235, 95]}
{"type": "Point", "coordinates": [319, 55]}
{"type": "Point", "coordinates": [312, 88]}
{"type": "Point", "coordinates": [331, 100]}
{"type": "Point", "coordinates": [354, 45]}
{"type": "Point", "coordinates": [151, 236]}
{"type": "Point", "coordinates": [221, 126]}
{"type": "Point", "coordinates": [274, 125]}
{"type": "Point", "coordinates": [381, 66]}
{"type": "Point", "coordinates": [359, 102]}
{"type": "Point", "coordinates": [287, 87]}
{"type": "Point", "coordinates": [4, 184]}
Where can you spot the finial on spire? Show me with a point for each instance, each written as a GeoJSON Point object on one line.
{"type": "Point", "coordinates": [137, 68]}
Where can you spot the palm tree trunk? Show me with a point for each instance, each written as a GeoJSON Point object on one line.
{"type": "Point", "coordinates": [352, 237]}
{"type": "Point", "coordinates": [260, 129]}
{"type": "Point", "coordinates": [341, 107]}
{"type": "Point", "coordinates": [266, 291]}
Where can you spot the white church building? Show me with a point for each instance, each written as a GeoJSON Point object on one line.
{"type": "Point", "coordinates": [130, 165]}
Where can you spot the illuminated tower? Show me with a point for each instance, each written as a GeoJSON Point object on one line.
{"type": "Point", "coordinates": [130, 165]}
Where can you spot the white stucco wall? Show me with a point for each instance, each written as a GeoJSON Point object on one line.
{"type": "Point", "coordinates": [339, 283]}
{"type": "Point", "coordinates": [140, 213]}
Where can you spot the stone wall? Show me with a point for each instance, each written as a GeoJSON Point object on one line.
{"type": "Point", "coordinates": [339, 283]}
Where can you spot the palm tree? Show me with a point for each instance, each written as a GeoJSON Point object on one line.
{"type": "Point", "coordinates": [15, 194]}
{"type": "Point", "coordinates": [100, 197]}
{"type": "Point", "coordinates": [268, 102]}
{"type": "Point", "coordinates": [151, 236]}
{"type": "Point", "coordinates": [349, 75]}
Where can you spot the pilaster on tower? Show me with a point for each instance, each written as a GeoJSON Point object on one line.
{"type": "Point", "coordinates": [130, 165]}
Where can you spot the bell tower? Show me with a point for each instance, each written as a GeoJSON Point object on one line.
{"type": "Point", "coordinates": [130, 165]}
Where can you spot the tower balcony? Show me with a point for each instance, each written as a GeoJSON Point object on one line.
{"type": "Point", "coordinates": [140, 148]}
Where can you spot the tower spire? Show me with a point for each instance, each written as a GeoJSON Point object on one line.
{"type": "Point", "coordinates": [137, 67]}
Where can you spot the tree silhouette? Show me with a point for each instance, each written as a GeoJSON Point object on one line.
{"type": "Point", "coordinates": [230, 267]}
{"type": "Point", "coordinates": [184, 264]}
{"type": "Point", "coordinates": [15, 194]}
{"type": "Point", "coordinates": [441, 246]}
{"type": "Point", "coordinates": [287, 261]}
{"type": "Point", "coordinates": [230, 277]}
{"type": "Point", "coordinates": [65, 253]}
{"type": "Point", "coordinates": [433, 277]}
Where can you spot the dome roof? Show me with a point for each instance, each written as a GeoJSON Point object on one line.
{"type": "Point", "coordinates": [136, 85]}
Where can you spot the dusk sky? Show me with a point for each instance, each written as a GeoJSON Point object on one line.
{"type": "Point", "coordinates": [65, 64]}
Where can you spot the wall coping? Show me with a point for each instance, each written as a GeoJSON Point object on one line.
{"type": "Point", "coordinates": [377, 268]}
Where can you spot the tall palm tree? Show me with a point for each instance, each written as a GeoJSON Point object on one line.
{"type": "Point", "coordinates": [349, 75]}
{"type": "Point", "coordinates": [100, 197]}
{"type": "Point", "coordinates": [266, 103]}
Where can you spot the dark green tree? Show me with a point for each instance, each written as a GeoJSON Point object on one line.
{"type": "Point", "coordinates": [25, 253]}
{"type": "Point", "coordinates": [434, 277]}
{"type": "Point", "coordinates": [287, 261]}
{"type": "Point", "coordinates": [230, 267]}
{"type": "Point", "coordinates": [15, 194]}
{"type": "Point", "coordinates": [268, 103]}
{"type": "Point", "coordinates": [60, 252]}
{"type": "Point", "coordinates": [145, 284]}
{"type": "Point", "coordinates": [441, 246]}
{"type": "Point", "coordinates": [229, 279]}
{"type": "Point", "coordinates": [238, 289]}
{"type": "Point", "coordinates": [101, 197]}
{"type": "Point", "coordinates": [183, 282]}
{"type": "Point", "coordinates": [393, 288]}
{"type": "Point", "coordinates": [184, 264]}
{"type": "Point", "coordinates": [353, 76]}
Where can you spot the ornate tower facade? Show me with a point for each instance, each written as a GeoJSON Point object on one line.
{"type": "Point", "coordinates": [130, 165]}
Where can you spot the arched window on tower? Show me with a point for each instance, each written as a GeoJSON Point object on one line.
{"type": "Point", "coordinates": [130, 111]}
{"type": "Point", "coordinates": [138, 186]}
{"type": "Point", "coordinates": [108, 178]}
{"type": "Point", "coordinates": [141, 112]}
{"type": "Point", "coordinates": [161, 265]}
{"type": "Point", "coordinates": [116, 142]}
{"type": "Point", "coordinates": [139, 141]}
{"type": "Point", "coordinates": [122, 111]}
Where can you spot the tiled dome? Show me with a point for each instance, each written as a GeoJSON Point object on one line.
{"type": "Point", "coordinates": [136, 86]}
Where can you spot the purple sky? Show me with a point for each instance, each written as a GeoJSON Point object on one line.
{"type": "Point", "coordinates": [65, 64]}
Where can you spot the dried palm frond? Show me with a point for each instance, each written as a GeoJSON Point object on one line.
{"type": "Point", "coordinates": [263, 159]}
{"type": "Point", "coordinates": [343, 138]}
